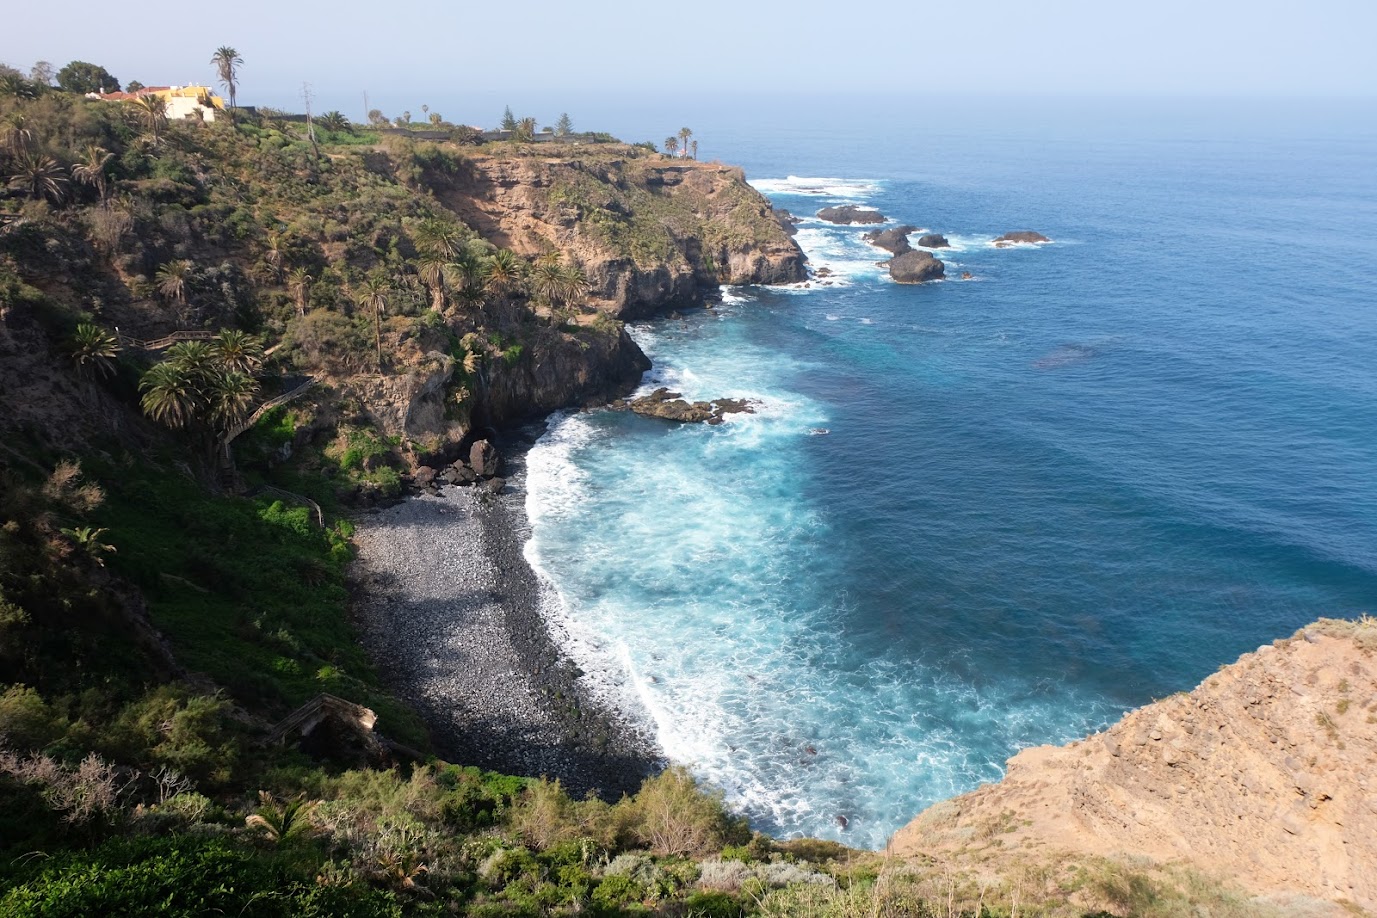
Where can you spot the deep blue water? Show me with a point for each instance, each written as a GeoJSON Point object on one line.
{"type": "Point", "coordinates": [1086, 478]}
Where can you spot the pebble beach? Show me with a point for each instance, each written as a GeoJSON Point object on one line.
{"type": "Point", "coordinates": [450, 611]}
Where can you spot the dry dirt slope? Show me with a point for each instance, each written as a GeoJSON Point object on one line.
{"type": "Point", "coordinates": [1266, 774]}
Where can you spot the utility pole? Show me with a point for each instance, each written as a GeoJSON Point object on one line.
{"type": "Point", "coordinates": [310, 125]}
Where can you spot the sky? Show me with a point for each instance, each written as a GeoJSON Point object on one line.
{"type": "Point", "coordinates": [455, 54]}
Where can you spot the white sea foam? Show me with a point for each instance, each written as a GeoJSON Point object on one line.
{"type": "Point", "coordinates": [849, 189]}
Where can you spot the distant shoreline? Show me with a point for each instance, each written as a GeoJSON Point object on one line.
{"type": "Point", "coordinates": [450, 611]}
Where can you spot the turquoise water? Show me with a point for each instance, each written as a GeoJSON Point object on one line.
{"type": "Point", "coordinates": [1086, 478]}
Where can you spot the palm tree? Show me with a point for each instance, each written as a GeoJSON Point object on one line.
{"type": "Point", "coordinates": [505, 272]}
{"type": "Point", "coordinates": [172, 280]}
{"type": "Point", "coordinates": [335, 122]}
{"type": "Point", "coordinates": [280, 821]}
{"type": "Point", "coordinates": [439, 237]}
{"type": "Point", "coordinates": [693, 149]}
{"type": "Point", "coordinates": [299, 285]}
{"type": "Point", "coordinates": [672, 145]}
{"type": "Point", "coordinates": [684, 136]}
{"type": "Point", "coordinates": [238, 351]}
{"type": "Point", "coordinates": [573, 284]}
{"type": "Point", "coordinates": [41, 177]}
{"type": "Point", "coordinates": [468, 275]}
{"type": "Point", "coordinates": [525, 130]}
{"type": "Point", "coordinates": [152, 111]}
{"type": "Point", "coordinates": [229, 396]}
{"type": "Point", "coordinates": [373, 295]}
{"type": "Point", "coordinates": [227, 61]}
{"type": "Point", "coordinates": [16, 133]}
{"type": "Point", "coordinates": [547, 280]}
{"type": "Point", "coordinates": [94, 350]}
{"type": "Point", "coordinates": [197, 359]}
{"type": "Point", "coordinates": [272, 253]}
{"type": "Point", "coordinates": [91, 170]}
{"type": "Point", "coordinates": [431, 266]}
{"type": "Point", "coordinates": [170, 395]}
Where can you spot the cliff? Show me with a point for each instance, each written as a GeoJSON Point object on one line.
{"type": "Point", "coordinates": [650, 233]}
{"type": "Point", "coordinates": [247, 227]}
{"type": "Point", "coordinates": [1263, 775]}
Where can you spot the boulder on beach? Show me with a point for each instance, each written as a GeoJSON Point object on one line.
{"type": "Point", "coordinates": [1025, 237]}
{"type": "Point", "coordinates": [894, 241]}
{"type": "Point", "coordinates": [934, 241]}
{"type": "Point", "coordinates": [916, 267]}
{"type": "Point", "coordinates": [850, 213]}
{"type": "Point", "coordinates": [424, 476]}
{"type": "Point", "coordinates": [483, 459]}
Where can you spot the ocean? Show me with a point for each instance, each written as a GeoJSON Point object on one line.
{"type": "Point", "coordinates": [972, 516]}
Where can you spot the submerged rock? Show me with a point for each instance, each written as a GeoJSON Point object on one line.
{"type": "Point", "coordinates": [849, 213]}
{"type": "Point", "coordinates": [916, 267]}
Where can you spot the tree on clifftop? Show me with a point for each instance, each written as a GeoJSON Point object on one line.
{"type": "Point", "coordinates": [564, 127]}
{"type": "Point", "coordinates": [508, 120]}
{"type": "Point", "coordinates": [685, 135]}
{"type": "Point", "coordinates": [672, 145]}
{"type": "Point", "coordinates": [227, 61]}
{"type": "Point", "coordinates": [81, 77]}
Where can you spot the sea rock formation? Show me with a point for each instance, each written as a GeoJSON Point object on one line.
{"type": "Point", "coordinates": [915, 267]}
{"type": "Point", "coordinates": [671, 406]}
{"type": "Point", "coordinates": [934, 241]}
{"type": "Point", "coordinates": [894, 241]}
{"type": "Point", "coordinates": [847, 214]}
{"type": "Point", "coordinates": [1021, 237]}
{"type": "Point", "coordinates": [787, 221]}
{"type": "Point", "coordinates": [1264, 774]}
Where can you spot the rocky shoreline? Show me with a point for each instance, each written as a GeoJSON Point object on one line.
{"type": "Point", "coordinates": [451, 614]}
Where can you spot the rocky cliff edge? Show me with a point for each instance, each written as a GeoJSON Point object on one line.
{"type": "Point", "coordinates": [1265, 774]}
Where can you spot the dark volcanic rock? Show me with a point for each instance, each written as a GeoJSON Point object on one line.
{"type": "Point", "coordinates": [915, 267]}
{"type": "Point", "coordinates": [483, 458]}
{"type": "Point", "coordinates": [850, 213]}
{"type": "Point", "coordinates": [787, 221]}
{"type": "Point", "coordinates": [934, 241]}
{"type": "Point", "coordinates": [894, 241]}
{"type": "Point", "coordinates": [668, 405]}
{"type": "Point", "coordinates": [1025, 236]}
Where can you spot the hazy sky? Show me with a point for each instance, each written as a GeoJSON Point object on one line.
{"type": "Point", "coordinates": [403, 52]}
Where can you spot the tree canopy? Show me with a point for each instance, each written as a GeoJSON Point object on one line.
{"type": "Point", "coordinates": [79, 76]}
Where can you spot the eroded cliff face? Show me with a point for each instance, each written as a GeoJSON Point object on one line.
{"type": "Point", "coordinates": [650, 233]}
{"type": "Point", "coordinates": [1265, 774]}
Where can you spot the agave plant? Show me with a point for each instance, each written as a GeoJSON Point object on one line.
{"type": "Point", "coordinates": [94, 350]}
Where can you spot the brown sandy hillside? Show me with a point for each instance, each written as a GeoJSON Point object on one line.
{"type": "Point", "coordinates": [1265, 774]}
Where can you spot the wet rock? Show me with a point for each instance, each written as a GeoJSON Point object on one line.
{"type": "Point", "coordinates": [894, 241]}
{"type": "Point", "coordinates": [916, 267]}
{"type": "Point", "coordinates": [850, 213]}
{"type": "Point", "coordinates": [1024, 237]}
{"type": "Point", "coordinates": [934, 241]}
{"type": "Point", "coordinates": [671, 406]}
